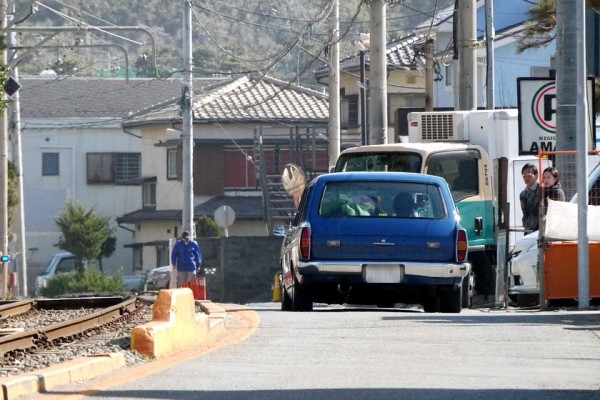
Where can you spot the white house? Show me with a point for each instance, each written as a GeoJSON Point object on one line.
{"type": "Point", "coordinates": [246, 130]}
{"type": "Point", "coordinates": [509, 64]}
{"type": "Point", "coordinates": [75, 149]}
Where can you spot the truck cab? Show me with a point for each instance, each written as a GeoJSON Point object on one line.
{"type": "Point", "coordinates": [465, 167]}
{"type": "Point", "coordinates": [476, 152]}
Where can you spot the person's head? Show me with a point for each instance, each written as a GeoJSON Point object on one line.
{"type": "Point", "coordinates": [185, 236]}
{"type": "Point", "coordinates": [530, 174]}
{"type": "Point", "coordinates": [550, 177]}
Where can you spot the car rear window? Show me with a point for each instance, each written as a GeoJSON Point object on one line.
{"type": "Point", "coordinates": [361, 199]}
{"type": "Point", "coordinates": [386, 162]}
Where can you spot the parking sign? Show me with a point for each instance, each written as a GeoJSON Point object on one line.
{"type": "Point", "coordinates": [537, 114]}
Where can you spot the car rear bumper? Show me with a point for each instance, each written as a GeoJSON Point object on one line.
{"type": "Point", "coordinates": [408, 270]}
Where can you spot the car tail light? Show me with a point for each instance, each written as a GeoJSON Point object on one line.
{"type": "Point", "coordinates": [461, 246]}
{"type": "Point", "coordinates": [305, 244]}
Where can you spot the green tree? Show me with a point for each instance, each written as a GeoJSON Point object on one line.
{"type": "Point", "coordinates": [13, 193]}
{"type": "Point", "coordinates": [207, 227]}
{"type": "Point", "coordinates": [83, 233]}
{"type": "Point", "coordinates": [539, 31]}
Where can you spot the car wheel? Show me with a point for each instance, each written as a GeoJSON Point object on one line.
{"type": "Point", "coordinates": [467, 290]}
{"type": "Point", "coordinates": [432, 304]}
{"type": "Point", "coordinates": [451, 300]}
{"type": "Point", "coordinates": [286, 301]}
{"type": "Point", "coordinates": [300, 299]}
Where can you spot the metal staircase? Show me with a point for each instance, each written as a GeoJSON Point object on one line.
{"type": "Point", "coordinates": [278, 204]}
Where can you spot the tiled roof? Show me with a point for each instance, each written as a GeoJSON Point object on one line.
{"type": "Point", "coordinates": [400, 54]}
{"type": "Point", "coordinates": [245, 207]}
{"type": "Point", "coordinates": [245, 99]}
{"type": "Point", "coordinates": [64, 97]}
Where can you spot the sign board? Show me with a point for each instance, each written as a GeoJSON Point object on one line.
{"type": "Point", "coordinates": [537, 114]}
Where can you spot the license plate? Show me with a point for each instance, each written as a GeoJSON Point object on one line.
{"type": "Point", "coordinates": [391, 273]}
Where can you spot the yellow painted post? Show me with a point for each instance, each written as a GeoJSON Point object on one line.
{"type": "Point", "coordinates": [276, 289]}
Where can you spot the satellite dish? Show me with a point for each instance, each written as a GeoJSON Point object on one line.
{"type": "Point", "coordinates": [293, 180]}
{"type": "Point", "coordinates": [224, 216]}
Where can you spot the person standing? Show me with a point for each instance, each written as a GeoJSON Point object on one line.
{"type": "Point", "coordinates": [551, 187]}
{"type": "Point", "coordinates": [530, 198]}
{"type": "Point", "coordinates": [185, 258]}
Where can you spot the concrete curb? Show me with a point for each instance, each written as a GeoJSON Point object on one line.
{"type": "Point", "coordinates": [90, 367]}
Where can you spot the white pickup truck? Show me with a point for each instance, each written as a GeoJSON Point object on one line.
{"type": "Point", "coordinates": [65, 263]}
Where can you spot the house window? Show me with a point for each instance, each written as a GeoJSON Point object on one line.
{"type": "Point", "coordinates": [50, 164]}
{"type": "Point", "coordinates": [172, 164]}
{"type": "Point", "coordinates": [149, 193]}
{"type": "Point", "coordinates": [349, 111]}
{"type": "Point", "coordinates": [448, 73]}
{"type": "Point", "coordinates": [122, 168]}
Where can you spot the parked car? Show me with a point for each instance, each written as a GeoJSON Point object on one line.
{"type": "Point", "coordinates": [60, 263]}
{"type": "Point", "coordinates": [523, 259]}
{"type": "Point", "coordinates": [375, 238]}
{"type": "Point", "coordinates": [64, 263]}
{"type": "Point", "coordinates": [159, 278]}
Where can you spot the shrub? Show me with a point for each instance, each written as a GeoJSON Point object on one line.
{"type": "Point", "coordinates": [91, 280]}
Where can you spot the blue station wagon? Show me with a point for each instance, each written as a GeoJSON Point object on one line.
{"type": "Point", "coordinates": [375, 238]}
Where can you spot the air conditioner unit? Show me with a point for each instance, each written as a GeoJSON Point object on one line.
{"type": "Point", "coordinates": [443, 127]}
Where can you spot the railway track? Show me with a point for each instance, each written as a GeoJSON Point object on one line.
{"type": "Point", "coordinates": [102, 312]}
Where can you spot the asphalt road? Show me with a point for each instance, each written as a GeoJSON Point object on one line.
{"type": "Point", "coordinates": [335, 353]}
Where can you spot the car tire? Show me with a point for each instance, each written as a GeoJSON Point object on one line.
{"type": "Point", "coordinates": [432, 304]}
{"type": "Point", "coordinates": [300, 299]}
{"type": "Point", "coordinates": [286, 301]}
{"type": "Point", "coordinates": [451, 300]}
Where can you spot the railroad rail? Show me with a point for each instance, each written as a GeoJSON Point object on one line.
{"type": "Point", "coordinates": [114, 309]}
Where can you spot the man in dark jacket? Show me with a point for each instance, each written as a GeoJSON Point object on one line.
{"type": "Point", "coordinates": [185, 258]}
{"type": "Point", "coordinates": [530, 198]}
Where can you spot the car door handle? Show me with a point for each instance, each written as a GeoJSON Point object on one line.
{"type": "Point", "coordinates": [384, 244]}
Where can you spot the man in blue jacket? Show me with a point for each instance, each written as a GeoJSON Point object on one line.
{"type": "Point", "coordinates": [185, 258]}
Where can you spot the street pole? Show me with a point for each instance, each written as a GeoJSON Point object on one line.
{"type": "Point", "coordinates": [583, 250]}
{"type": "Point", "coordinates": [378, 120]}
{"type": "Point", "coordinates": [363, 101]}
{"type": "Point", "coordinates": [467, 96]}
{"type": "Point", "coordinates": [334, 85]}
{"type": "Point", "coordinates": [489, 41]}
{"type": "Point", "coordinates": [188, 123]}
{"type": "Point", "coordinates": [15, 128]}
{"type": "Point", "coordinates": [429, 75]}
{"type": "Point", "coordinates": [3, 168]}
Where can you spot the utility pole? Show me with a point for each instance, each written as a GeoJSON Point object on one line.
{"type": "Point", "coordinates": [467, 96]}
{"type": "Point", "coordinates": [489, 41]}
{"type": "Point", "coordinates": [3, 167]}
{"type": "Point", "coordinates": [334, 85]}
{"type": "Point", "coordinates": [15, 129]}
{"type": "Point", "coordinates": [378, 121]}
{"type": "Point", "coordinates": [429, 74]}
{"type": "Point", "coordinates": [188, 123]}
{"type": "Point", "coordinates": [571, 122]}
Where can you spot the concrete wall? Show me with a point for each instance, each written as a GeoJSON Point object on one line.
{"type": "Point", "coordinates": [245, 268]}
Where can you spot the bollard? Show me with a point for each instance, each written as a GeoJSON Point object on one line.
{"type": "Point", "coordinates": [276, 289]}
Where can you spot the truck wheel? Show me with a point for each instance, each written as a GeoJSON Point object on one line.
{"type": "Point", "coordinates": [300, 299]}
{"type": "Point", "coordinates": [451, 300]}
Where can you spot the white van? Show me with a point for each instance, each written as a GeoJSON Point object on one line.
{"type": "Point", "coordinates": [64, 263]}
{"type": "Point", "coordinates": [58, 264]}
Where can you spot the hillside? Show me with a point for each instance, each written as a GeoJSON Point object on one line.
{"type": "Point", "coordinates": [284, 38]}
